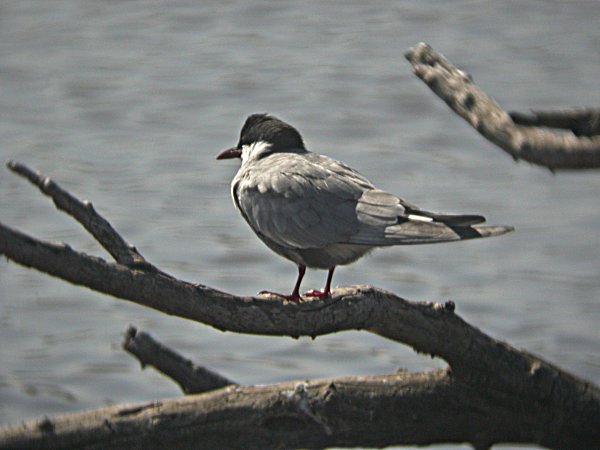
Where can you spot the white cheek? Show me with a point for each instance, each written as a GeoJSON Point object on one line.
{"type": "Point", "coordinates": [246, 149]}
{"type": "Point", "coordinates": [253, 150]}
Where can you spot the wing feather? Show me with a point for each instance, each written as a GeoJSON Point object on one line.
{"type": "Point", "coordinates": [309, 201]}
{"type": "Point", "coordinates": [389, 220]}
{"type": "Point", "coordinates": [299, 202]}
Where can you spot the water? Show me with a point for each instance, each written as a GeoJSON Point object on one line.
{"type": "Point", "coordinates": [127, 103]}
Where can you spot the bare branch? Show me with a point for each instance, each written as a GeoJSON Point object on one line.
{"type": "Point", "coordinates": [536, 145]}
{"type": "Point", "coordinates": [193, 379]}
{"type": "Point", "coordinates": [359, 307]}
{"type": "Point", "coordinates": [581, 121]}
{"type": "Point", "coordinates": [86, 215]}
{"type": "Point", "coordinates": [487, 379]}
{"type": "Point", "coordinates": [428, 327]}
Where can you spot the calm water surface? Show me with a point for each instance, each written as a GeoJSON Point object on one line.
{"type": "Point", "coordinates": [127, 103]}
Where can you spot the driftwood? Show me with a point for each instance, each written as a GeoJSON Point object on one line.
{"type": "Point", "coordinates": [522, 136]}
{"type": "Point", "coordinates": [191, 378]}
{"type": "Point", "coordinates": [489, 393]}
{"type": "Point", "coordinates": [581, 121]}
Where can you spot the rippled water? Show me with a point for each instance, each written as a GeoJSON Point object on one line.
{"type": "Point", "coordinates": [127, 103]}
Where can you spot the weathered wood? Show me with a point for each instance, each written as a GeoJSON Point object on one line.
{"type": "Point", "coordinates": [84, 213]}
{"type": "Point", "coordinates": [581, 121]}
{"type": "Point", "coordinates": [376, 411]}
{"type": "Point", "coordinates": [555, 150]}
{"type": "Point", "coordinates": [192, 379]}
{"type": "Point", "coordinates": [490, 393]}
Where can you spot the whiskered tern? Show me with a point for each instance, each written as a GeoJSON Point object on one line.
{"type": "Point", "coordinates": [320, 213]}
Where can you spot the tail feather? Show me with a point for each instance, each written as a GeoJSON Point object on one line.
{"type": "Point", "coordinates": [434, 232]}
{"type": "Point", "coordinates": [448, 219]}
{"type": "Point", "coordinates": [490, 230]}
{"type": "Point", "coordinates": [419, 232]}
{"type": "Point", "coordinates": [455, 219]}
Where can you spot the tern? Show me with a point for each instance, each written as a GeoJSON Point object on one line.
{"type": "Point", "coordinates": [320, 213]}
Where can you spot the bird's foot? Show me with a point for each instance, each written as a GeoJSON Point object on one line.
{"type": "Point", "coordinates": [293, 297]}
{"type": "Point", "coordinates": [318, 294]}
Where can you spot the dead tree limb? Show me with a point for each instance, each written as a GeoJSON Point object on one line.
{"type": "Point", "coordinates": [581, 121]}
{"type": "Point", "coordinates": [192, 379]}
{"type": "Point", "coordinates": [84, 213]}
{"type": "Point", "coordinates": [490, 393]}
{"type": "Point", "coordinates": [555, 150]}
{"type": "Point", "coordinates": [374, 411]}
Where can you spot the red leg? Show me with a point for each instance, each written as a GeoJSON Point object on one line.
{"type": "Point", "coordinates": [325, 292]}
{"type": "Point", "coordinates": [295, 295]}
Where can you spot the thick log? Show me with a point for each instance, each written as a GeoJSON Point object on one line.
{"type": "Point", "coordinates": [377, 411]}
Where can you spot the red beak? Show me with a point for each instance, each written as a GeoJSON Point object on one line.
{"type": "Point", "coordinates": [230, 153]}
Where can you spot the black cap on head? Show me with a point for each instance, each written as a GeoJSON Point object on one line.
{"type": "Point", "coordinates": [263, 127]}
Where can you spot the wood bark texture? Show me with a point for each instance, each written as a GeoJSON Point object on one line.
{"type": "Point", "coordinates": [522, 136]}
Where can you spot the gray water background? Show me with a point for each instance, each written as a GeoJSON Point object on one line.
{"type": "Point", "coordinates": [127, 103]}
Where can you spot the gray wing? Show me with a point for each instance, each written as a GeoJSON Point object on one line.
{"type": "Point", "coordinates": [310, 201]}
{"type": "Point", "coordinates": [388, 220]}
{"type": "Point", "coordinates": [300, 200]}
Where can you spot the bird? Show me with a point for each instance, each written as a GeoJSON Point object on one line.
{"type": "Point", "coordinates": [318, 212]}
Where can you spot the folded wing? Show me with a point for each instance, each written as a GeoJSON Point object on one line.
{"type": "Point", "coordinates": [388, 220]}
{"type": "Point", "coordinates": [298, 201]}
{"type": "Point", "coordinates": [307, 201]}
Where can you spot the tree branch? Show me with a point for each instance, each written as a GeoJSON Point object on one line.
{"type": "Point", "coordinates": [86, 215]}
{"type": "Point", "coordinates": [191, 378]}
{"type": "Point", "coordinates": [537, 145]}
{"type": "Point", "coordinates": [581, 121]}
{"type": "Point", "coordinates": [516, 396]}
